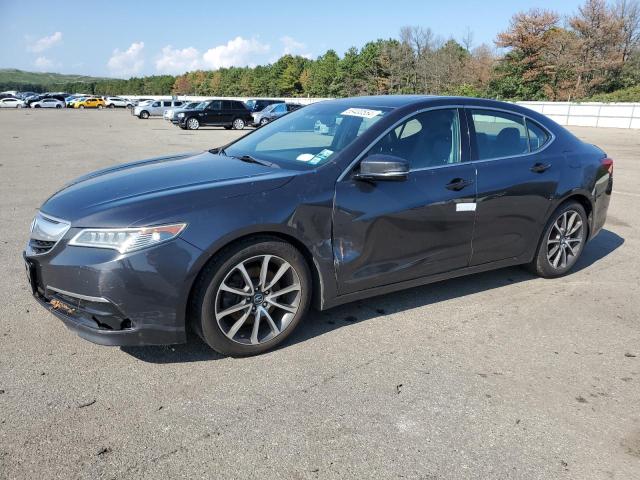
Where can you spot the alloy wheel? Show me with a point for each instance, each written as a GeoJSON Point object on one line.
{"type": "Point", "coordinates": [258, 299]}
{"type": "Point", "coordinates": [238, 124]}
{"type": "Point", "coordinates": [565, 240]}
{"type": "Point", "coordinates": [193, 124]}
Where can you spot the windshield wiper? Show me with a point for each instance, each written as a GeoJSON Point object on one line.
{"type": "Point", "coordinates": [250, 159]}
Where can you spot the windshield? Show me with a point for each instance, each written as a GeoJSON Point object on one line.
{"type": "Point", "coordinates": [308, 137]}
{"type": "Point", "coordinates": [268, 108]}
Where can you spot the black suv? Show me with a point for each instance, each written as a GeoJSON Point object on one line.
{"type": "Point", "coordinates": [226, 113]}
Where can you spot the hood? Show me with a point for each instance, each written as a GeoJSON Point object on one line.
{"type": "Point", "coordinates": [158, 183]}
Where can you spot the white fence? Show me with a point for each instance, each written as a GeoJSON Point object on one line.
{"type": "Point", "coordinates": [605, 115]}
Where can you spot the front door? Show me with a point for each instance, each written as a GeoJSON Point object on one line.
{"type": "Point", "coordinates": [390, 231]}
{"type": "Point", "coordinates": [213, 113]}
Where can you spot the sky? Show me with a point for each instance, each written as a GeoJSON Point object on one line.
{"type": "Point", "coordinates": [131, 38]}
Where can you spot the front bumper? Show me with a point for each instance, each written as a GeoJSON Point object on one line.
{"type": "Point", "coordinates": [113, 299]}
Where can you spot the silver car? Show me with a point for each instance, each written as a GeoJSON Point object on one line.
{"type": "Point", "coordinates": [156, 108]}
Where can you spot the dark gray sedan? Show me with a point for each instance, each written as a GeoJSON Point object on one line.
{"type": "Point", "coordinates": [338, 201]}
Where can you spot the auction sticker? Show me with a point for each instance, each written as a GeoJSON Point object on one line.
{"type": "Point", "coordinates": [321, 157]}
{"type": "Point", "coordinates": [361, 112]}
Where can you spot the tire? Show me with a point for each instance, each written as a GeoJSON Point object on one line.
{"type": "Point", "coordinates": [100, 107]}
{"type": "Point", "coordinates": [82, 107]}
{"type": "Point", "coordinates": [558, 251]}
{"type": "Point", "coordinates": [144, 115]}
{"type": "Point", "coordinates": [111, 105]}
{"type": "Point", "coordinates": [238, 124]}
{"type": "Point", "coordinates": [209, 302]}
{"type": "Point", "coordinates": [36, 106]}
{"type": "Point", "coordinates": [192, 123]}
{"type": "Point", "coordinates": [58, 106]}
{"type": "Point", "coordinates": [263, 122]}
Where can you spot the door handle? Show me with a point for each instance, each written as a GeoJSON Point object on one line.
{"type": "Point", "coordinates": [540, 167]}
{"type": "Point", "coordinates": [458, 184]}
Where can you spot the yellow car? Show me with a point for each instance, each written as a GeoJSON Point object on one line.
{"type": "Point", "coordinates": [89, 103]}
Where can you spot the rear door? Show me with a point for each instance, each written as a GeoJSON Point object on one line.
{"type": "Point", "coordinates": [391, 231]}
{"type": "Point", "coordinates": [517, 177]}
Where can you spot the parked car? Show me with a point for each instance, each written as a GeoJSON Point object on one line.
{"type": "Point", "coordinates": [155, 108]}
{"type": "Point", "coordinates": [238, 241]}
{"type": "Point", "coordinates": [273, 111]}
{"type": "Point", "coordinates": [113, 102]}
{"type": "Point", "coordinates": [171, 113]}
{"type": "Point", "coordinates": [225, 113]}
{"type": "Point", "coordinates": [33, 98]}
{"type": "Point", "coordinates": [257, 105]}
{"type": "Point", "coordinates": [91, 102]}
{"type": "Point", "coordinates": [70, 101]}
{"type": "Point", "coordinates": [11, 103]}
{"type": "Point", "coordinates": [48, 103]}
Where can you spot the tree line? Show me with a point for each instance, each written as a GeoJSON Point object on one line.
{"type": "Point", "coordinates": [591, 54]}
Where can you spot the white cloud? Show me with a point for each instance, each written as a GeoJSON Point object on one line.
{"type": "Point", "coordinates": [292, 47]}
{"type": "Point", "coordinates": [43, 63]}
{"type": "Point", "coordinates": [237, 52]}
{"type": "Point", "coordinates": [45, 43]}
{"type": "Point", "coordinates": [175, 60]}
{"type": "Point", "coordinates": [129, 62]}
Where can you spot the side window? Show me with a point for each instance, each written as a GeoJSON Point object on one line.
{"type": "Point", "coordinates": [226, 105]}
{"type": "Point", "coordinates": [155, 104]}
{"type": "Point", "coordinates": [215, 105]}
{"type": "Point", "coordinates": [166, 103]}
{"type": "Point", "coordinates": [538, 137]}
{"type": "Point", "coordinates": [499, 134]}
{"type": "Point", "coordinates": [428, 139]}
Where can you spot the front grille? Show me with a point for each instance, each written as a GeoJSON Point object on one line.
{"type": "Point", "coordinates": [46, 231]}
{"type": "Point", "coordinates": [41, 246]}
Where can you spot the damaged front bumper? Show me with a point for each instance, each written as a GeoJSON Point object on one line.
{"type": "Point", "coordinates": [114, 299]}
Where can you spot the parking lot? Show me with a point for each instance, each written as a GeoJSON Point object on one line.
{"type": "Point", "coordinates": [496, 375]}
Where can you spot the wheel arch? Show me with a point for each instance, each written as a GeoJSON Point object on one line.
{"type": "Point", "coordinates": [210, 256]}
{"type": "Point", "coordinates": [584, 199]}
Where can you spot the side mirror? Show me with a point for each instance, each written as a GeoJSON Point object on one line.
{"type": "Point", "coordinates": [383, 167]}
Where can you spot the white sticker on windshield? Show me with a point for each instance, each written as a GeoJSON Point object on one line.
{"type": "Point", "coordinates": [321, 157]}
{"type": "Point", "coordinates": [361, 112]}
{"type": "Point", "coordinates": [305, 157]}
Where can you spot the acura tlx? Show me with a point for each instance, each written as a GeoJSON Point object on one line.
{"type": "Point", "coordinates": [337, 201]}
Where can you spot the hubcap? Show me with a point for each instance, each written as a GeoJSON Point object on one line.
{"type": "Point", "coordinates": [258, 299]}
{"type": "Point", "coordinates": [238, 124]}
{"type": "Point", "coordinates": [565, 240]}
{"type": "Point", "coordinates": [193, 124]}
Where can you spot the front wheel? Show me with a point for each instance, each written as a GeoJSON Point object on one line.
{"type": "Point", "coordinates": [58, 106]}
{"type": "Point", "coordinates": [144, 114]}
{"type": "Point", "coordinates": [238, 124]}
{"type": "Point", "coordinates": [112, 105]}
{"type": "Point", "coordinates": [251, 297]}
{"type": "Point", "coordinates": [193, 124]}
{"type": "Point", "coordinates": [82, 107]}
{"type": "Point", "coordinates": [562, 241]}
{"type": "Point", "coordinates": [263, 122]}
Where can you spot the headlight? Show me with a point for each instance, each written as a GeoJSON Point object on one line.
{"type": "Point", "coordinates": [126, 239]}
{"type": "Point", "coordinates": [180, 115]}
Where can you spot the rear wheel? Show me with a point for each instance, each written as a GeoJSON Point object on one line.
{"type": "Point", "coordinates": [111, 105]}
{"type": "Point", "coordinates": [263, 122]}
{"type": "Point", "coordinates": [58, 106]}
{"type": "Point", "coordinates": [238, 124]}
{"type": "Point", "coordinates": [562, 241]}
{"type": "Point", "coordinates": [193, 124]}
{"type": "Point", "coordinates": [251, 297]}
{"type": "Point", "coordinates": [82, 107]}
{"type": "Point", "coordinates": [36, 106]}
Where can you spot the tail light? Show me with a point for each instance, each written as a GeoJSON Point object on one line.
{"type": "Point", "coordinates": [608, 164]}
